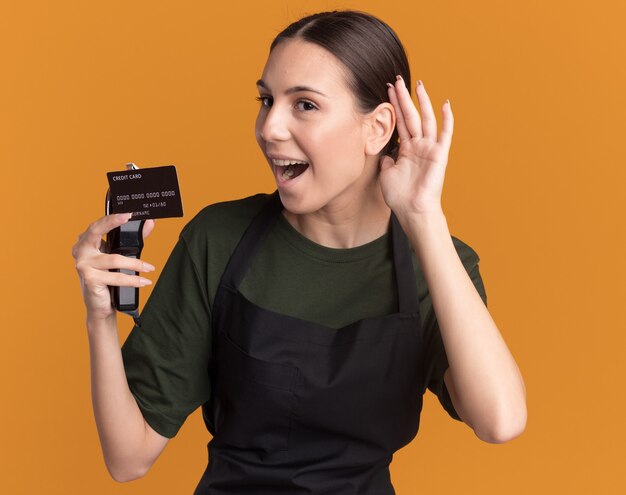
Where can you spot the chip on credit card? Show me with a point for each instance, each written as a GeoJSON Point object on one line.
{"type": "Point", "coordinates": [146, 193]}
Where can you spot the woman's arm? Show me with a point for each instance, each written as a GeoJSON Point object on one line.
{"type": "Point", "coordinates": [129, 445]}
{"type": "Point", "coordinates": [484, 382]}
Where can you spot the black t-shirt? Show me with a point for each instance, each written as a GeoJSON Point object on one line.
{"type": "Point", "coordinates": [166, 358]}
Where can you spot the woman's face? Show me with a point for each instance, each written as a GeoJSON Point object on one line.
{"type": "Point", "coordinates": [309, 115]}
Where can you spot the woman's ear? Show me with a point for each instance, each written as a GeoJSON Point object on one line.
{"type": "Point", "coordinates": [381, 124]}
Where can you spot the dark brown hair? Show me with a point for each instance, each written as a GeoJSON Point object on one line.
{"type": "Point", "coordinates": [368, 48]}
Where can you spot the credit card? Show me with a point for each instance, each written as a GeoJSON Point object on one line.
{"type": "Point", "coordinates": [145, 192]}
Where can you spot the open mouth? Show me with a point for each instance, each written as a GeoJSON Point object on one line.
{"type": "Point", "coordinates": [289, 169]}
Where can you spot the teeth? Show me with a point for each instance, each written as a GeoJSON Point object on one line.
{"type": "Point", "coordinates": [288, 173]}
{"type": "Point", "coordinates": [285, 163]}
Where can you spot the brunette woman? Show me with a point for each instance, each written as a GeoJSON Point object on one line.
{"type": "Point", "coordinates": [309, 322]}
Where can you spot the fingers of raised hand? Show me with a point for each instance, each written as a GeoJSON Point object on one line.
{"type": "Point", "coordinates": [403, 132]}
{"type": "Point", "coordinates": [447, 125]}
{"type": "Point", "coordinates": [409, 122]}
{"type": "Point", "coordinates": [409, 115]}
{"type": "Point", "coordinates": [429, 122]}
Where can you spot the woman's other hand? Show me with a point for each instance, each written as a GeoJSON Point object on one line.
{"type": "Point", "coordinates": [93, 266]}
{"type": "Point", "coordinates": [412, 184]}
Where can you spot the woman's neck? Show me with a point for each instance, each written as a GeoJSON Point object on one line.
{"type": "Point", "coordinates": [347, 222]}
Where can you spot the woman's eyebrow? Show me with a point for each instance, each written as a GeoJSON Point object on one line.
{"type": "Point", "coordinates": [294, 89]}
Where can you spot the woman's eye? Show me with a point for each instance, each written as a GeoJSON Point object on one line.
{"type": "Point", "coordinates": [305, 105]}
{"type": "Point", "coordinates": [266, 101]}
{"type": "Point", "coordinates": [302, 105]}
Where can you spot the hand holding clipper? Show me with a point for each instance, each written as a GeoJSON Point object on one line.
{"type": "Point", "coordinates": [126, 240]}
{"type": "Point", "coordinates": [147, 193]}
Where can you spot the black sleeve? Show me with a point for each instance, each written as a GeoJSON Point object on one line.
{"type": "Point", "coordinates": [436, 358]}
{"type": "Point", "coordinates": [166, 358]}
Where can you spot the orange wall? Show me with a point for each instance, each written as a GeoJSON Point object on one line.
{"type": "Point", "coordinates": [535, 183]}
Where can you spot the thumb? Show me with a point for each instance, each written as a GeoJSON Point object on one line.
{"type": "Point", "coordinates": [386, 162]}
{"type": "Point", "coordinates": [147, 228]}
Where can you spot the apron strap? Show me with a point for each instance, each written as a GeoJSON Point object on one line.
{"type": "Point", "coordinates": [408, 301]}
{"type": "Point", "coordinates": [252, 238]}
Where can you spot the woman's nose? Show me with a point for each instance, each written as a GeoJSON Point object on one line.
{"type": "Point", "coordinates": [274, 125]}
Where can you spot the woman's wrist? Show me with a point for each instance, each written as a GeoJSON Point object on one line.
{"type": "Point", "coordinates": [423, 223]}
{"type": "Point", "coordinates": [97, 324]}
{"type": "Point", "coordinates": [431, 240]}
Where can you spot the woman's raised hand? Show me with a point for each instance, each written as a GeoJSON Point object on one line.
{"type": "Point", "coordinates": [93, 266]}
{"type": "Point", "coordinates": [412, 184]}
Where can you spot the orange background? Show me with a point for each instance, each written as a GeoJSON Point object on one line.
{"type": "Point", "coordinates": [535, 183]}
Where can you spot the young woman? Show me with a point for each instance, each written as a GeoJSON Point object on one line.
{"type": "Point", "coordinates": [308, 323]}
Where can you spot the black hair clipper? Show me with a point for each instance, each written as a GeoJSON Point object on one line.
{"type": "Point", "coordinates": [126, 240]}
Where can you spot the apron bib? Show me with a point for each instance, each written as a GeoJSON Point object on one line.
{"type": "Point", "coordinates": [300, 408]}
